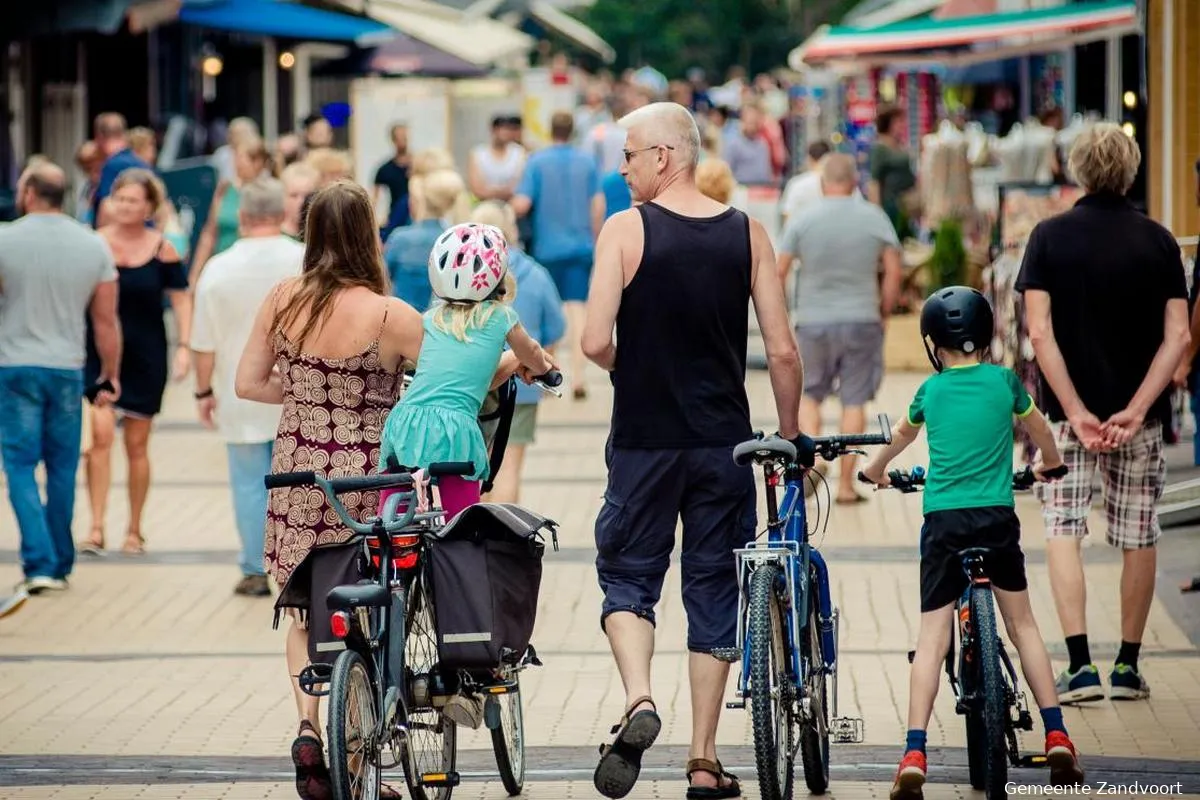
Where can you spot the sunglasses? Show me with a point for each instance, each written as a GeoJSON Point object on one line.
{"type": "Point", "coordinates": [629, 154]}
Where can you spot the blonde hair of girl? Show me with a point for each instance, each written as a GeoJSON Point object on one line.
{"type": "Point", "coordinates": [500, 216]}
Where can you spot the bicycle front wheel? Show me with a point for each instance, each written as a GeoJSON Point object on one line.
{"type": "Point", "coordinates": [353, 746]}
{"type": "Point", "coordinates": [431, 741]}
{"type": "Point", "coordinates": [772, 709]}
{"type": "Point", "coordinates": [993, 694]}
{"type": "Point", "coordinates": [814, 729]}
{"type": "Point", "coordinates": [508, 736]}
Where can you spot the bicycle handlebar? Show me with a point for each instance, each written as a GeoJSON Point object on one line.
{"type": "Point", "coordinates": [911, 481]}
{"type": "Point", "coordinates": [774, 449]}
{"type": "Point", "coordinates": [332, 487]}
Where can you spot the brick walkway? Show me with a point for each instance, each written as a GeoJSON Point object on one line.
{"type": "Point", "coordinates": [149, 679]}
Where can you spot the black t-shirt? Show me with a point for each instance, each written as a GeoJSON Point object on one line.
{"type": "Point", "coordinates": [395, 178]}
{"type": "Point", "coordinates": [1109, 271]}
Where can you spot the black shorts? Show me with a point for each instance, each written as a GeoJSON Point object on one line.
{"type": "Point", "coordinates": [946, 533]}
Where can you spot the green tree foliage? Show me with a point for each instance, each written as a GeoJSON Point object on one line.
{"type": "Point", "coordinates": [674, 35]}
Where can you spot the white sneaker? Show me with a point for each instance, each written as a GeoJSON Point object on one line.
{"type": "Point", "coordinates": [41, 583]}
{"type": "Point", "coordinates": [12, 604]}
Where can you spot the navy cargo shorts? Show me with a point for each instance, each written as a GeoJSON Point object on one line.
{"type": "Point", "coordinates": [648, 492]}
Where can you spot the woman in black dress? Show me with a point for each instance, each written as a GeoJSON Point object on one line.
{"type": "Point", "coordinates": [147, 266]}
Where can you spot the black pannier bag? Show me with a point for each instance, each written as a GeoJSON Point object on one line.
{"type": "Point", "coordinates": [485, 567]}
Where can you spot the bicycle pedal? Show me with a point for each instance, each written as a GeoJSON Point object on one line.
{"type": "Point", "coordinates": [847, 730]}
{"type": "Point", "coordinates": [1025, 721]}
{"type": "Point", "coordinates": [439, 779]}
{"type": "Point", "coordinates": [1035, 761]}
{"type": "Point", "coordinates": [736, 704]}
{"type": "Point", "coordinates": [314, 676]}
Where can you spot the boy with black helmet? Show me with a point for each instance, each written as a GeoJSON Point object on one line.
{"type": "Point", "coordinates": [967, 407]}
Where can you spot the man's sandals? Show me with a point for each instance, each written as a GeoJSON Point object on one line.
{"type": "Point", "coordinates": [621, 762]}
{"type": "Point", "coordinates": [714, 768]}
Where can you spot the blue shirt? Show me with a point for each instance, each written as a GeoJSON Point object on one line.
{"type": "Point", "coordinates": [561, 182]}
{"type": "Point", "coordinates": [406, 255]}
{"type": "Point", "coordinates": [616, 194]}
{"type": "Point", "coordinates": [116, 164]}
{"type": "Point", "coordinates": [539, 307]}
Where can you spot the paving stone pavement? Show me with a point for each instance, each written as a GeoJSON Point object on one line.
{"type": "Point", "coordinates": [150, 679]}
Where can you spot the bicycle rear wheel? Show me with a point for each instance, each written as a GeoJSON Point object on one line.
{"type": "Point", "coordinates": [993, 700]}
{"type": "Point", "coordinates": [814, 729]}
{"type": "Point", "coordinates": [508, 736]}
{"type": "Point", "coordinates": [353, 746]}
{"type": "Point", "coordinates": [772, 706]}
{"type": "Point", "coordinates": [431, 742]}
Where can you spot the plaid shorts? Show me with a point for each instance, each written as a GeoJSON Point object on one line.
{"type": "Point", "coordinates": [1133, 477]}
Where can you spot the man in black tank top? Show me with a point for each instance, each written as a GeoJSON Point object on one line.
{"type": "Point", "coordinates": [675, 277]}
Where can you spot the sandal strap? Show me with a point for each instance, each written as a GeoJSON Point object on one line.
{"type": "Point", "coordinates": [704, 765]}
{"type": "Point", "coordinates": [628, 715]}
{"type": "Point", "coordinates": [305, 725]}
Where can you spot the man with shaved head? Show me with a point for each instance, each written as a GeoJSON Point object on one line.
{"type": "Point", "coordinates": [674, 278]}
{"type": "Point", "coordinates": [54, 271]}
{"type": "Point", "coordinates": [847, 286]}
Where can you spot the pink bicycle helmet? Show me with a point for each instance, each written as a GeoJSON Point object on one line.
{"type": "Point", "coordinates": [468, 262]}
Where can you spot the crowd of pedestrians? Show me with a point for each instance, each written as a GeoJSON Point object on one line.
{"type": "Point", "coordinates": [307, 295]}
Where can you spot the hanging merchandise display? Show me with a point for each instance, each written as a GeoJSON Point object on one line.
{"type": "Point", "coordinates": [946, 176]}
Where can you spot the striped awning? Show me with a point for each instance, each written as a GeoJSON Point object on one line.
{"type": "Point", "coordinates": [1098, 18]}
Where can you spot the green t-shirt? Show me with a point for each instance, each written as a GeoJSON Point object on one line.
{"type": "Point", "coordinates": [967, 412]}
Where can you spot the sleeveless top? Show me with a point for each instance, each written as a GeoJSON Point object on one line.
{"type": "Point", "coordinates": [682, 332]}
{"type": "Point", "coordinates": [500, 171]}
{"type": "Point", "coordinates": [334, 410]}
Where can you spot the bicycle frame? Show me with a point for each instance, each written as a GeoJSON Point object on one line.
{"type": "Point", "coordinates": [787, 545]}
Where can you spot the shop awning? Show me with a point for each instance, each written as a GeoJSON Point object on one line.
{"type": "Point", "coordinates": [479, 40]}
{"type": "Point", "coordinates": [284, 19]}
{"type": "Point", "coordinates": [1038, 29]}
{"type": "Point", "coordinates": [564, 24]}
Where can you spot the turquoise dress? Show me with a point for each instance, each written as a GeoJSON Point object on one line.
{"type": "Point", "coordinates": [437, 419]}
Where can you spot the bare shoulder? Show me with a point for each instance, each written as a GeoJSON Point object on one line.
{"type": "Point", "coordinates": [623, 222]}
{"type": "Point", "coordinates": [168, 253]}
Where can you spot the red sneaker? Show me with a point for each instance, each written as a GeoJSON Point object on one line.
{"type": "Point", "coordinates": [1063, 760]}
{"type": "Point", "coordinates": [910, 777]}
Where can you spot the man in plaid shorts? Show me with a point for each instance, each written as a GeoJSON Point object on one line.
{"type": "Point", "coordinates": [1106, 307]}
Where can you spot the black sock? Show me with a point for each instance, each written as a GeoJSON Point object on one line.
{"type": "Point", "coordinates": [1128, 654]}
{"type": "Point", "coordinates": [1077, 650]}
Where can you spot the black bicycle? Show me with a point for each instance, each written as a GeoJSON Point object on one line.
{"type": "Point", "coordinates": [981, 675]}
{"type": "Point", "coordinates": [387, 688]}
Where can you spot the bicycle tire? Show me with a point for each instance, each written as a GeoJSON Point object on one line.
{"type": "Point", "coordinates": [508, 739]}
{"type": "Point", "coordinates": [352, 702]}
{"type": "Point", "coordinates": [814, 731]}
{"type": "Point", "coordinates": [772, 712]}
{"type": "Point", "coordinates": [994, 705]}
{"type": "Point", "coordinates": [431, 742]}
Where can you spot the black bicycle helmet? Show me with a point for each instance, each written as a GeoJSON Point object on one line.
{"type": "Point", "coordinates": [957, 318]}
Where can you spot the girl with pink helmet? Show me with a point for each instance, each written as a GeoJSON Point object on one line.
{"type": "Point", "coordinates": [437, 419]}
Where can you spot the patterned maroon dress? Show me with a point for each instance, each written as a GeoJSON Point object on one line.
{"type": "Point", "coordinates": [333, 414]}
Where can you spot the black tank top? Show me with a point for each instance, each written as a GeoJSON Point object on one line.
{"type": "Point", "coordinates": [680, 377]}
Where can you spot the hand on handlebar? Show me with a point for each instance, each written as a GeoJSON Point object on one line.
{"type": "Point", "coordinates": [806, 450]}
{"type": "Point", "coordinates": [873, 473]}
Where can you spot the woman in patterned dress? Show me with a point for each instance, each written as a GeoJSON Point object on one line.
{"type": "Point", "coordinates": [328, 346]}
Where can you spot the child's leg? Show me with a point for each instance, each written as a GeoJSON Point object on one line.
{"type": "Point", "coordinates": [933, 642]}
{"type": "Point", "coordinates": [1035, 661]}
{"type": "Point", "coordinates": [457, 493]}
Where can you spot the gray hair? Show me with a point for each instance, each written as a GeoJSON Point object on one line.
{"type": "Point", "coordinates": [672, 125]}
{"type": "Point", "coordinates": [262, 199]}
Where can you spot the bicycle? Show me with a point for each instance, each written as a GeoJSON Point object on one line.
{"type": "Point", "coordinates": [387, 687]}
{"type": "Point", "coordinates": [986, 690]}
{"type": "Point", "coordinates": [787, 628]}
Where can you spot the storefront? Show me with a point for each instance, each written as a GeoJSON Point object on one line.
{"type": "Point", "coordinates": [1173, 66]}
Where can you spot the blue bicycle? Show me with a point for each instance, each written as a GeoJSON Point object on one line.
{"type": "Point", "coordinates": [787, 626]}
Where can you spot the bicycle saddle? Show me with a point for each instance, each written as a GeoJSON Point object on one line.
{"type": "Point", "coordinates": [762, 451]}
{"type": "Point", "coordinates": [357, 595]}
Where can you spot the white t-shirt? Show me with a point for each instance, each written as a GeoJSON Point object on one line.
{"type": "Point", "coordinates": [230, 292]}
{"type": "Point", "coordinates": [800, 191]}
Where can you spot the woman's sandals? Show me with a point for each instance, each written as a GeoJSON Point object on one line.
{"type": "Point", "coordinates": [721, 790]}
{"type": "Point", "coordinates": [621, 762]}
{"type": "Point", "coordinates": [308, 755]}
